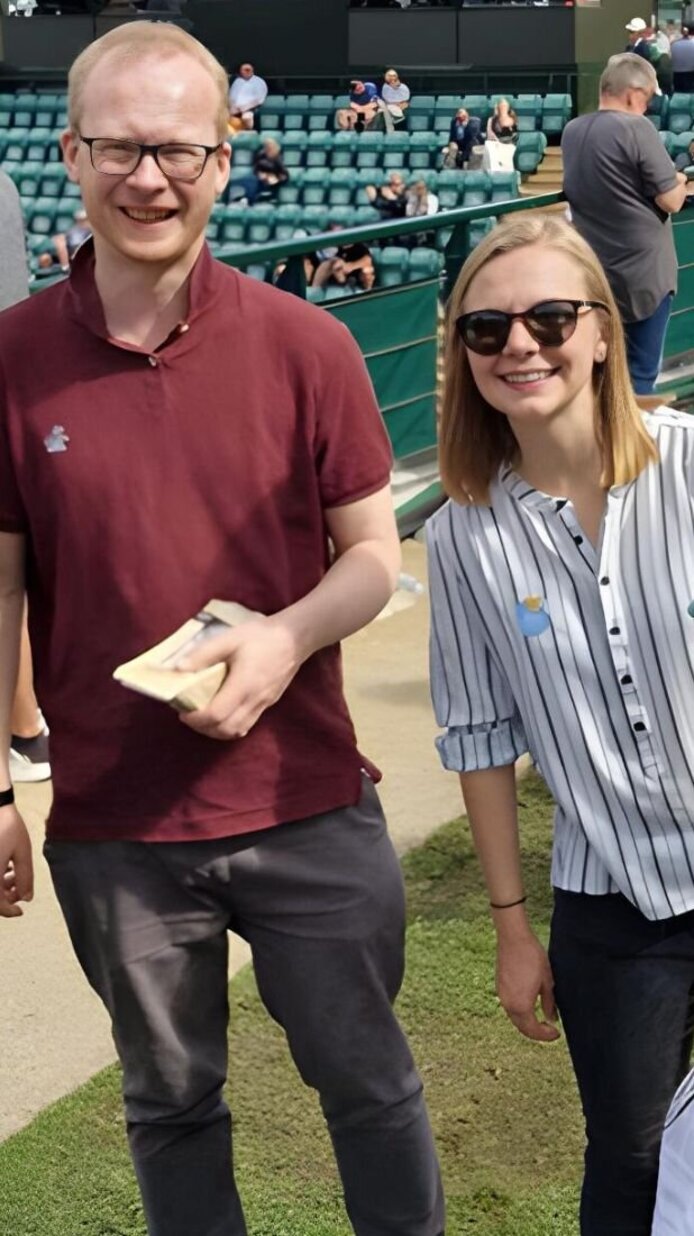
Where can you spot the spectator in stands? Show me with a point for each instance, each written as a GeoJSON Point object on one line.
{"type": "Point", "coordinates": [682, 52]}
{"type": "Point", "coordinates": [67, 243]}
{"type": "Point", "coordinates": [248, 92]}
{"type": "Point", "coordinates": [639, 43]}
{"type": "Point", "coordinates": [218, 434]}
{"type": "Point", "coordinates": [395, 95]}
{"type": "Point", "coordinates": [268, 174]}
{"type": "Point", "coordinates": [685, 158]}
{"type": "Point", "coordinates": [348, 265]}
{"type": "Point", "coordinates": [661, 59]}
{"type": "Point", "coordinates": [622, 189]}
{"type": "Point", "coordinates": [29, 756]}
{"type": "Point", "coordinates": [390, 199]}
{"type": "Point", "coordinates": [502, 125]}
{"type": "Point", "coordinates": [363, 103]}
{"type": "Point", "coordinates": [465, 132]}
{"type": "Point", "coordinates": [420, 201]}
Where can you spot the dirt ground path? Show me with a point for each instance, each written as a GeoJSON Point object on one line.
{"type": "Point", "coordinates": [54, 1034]}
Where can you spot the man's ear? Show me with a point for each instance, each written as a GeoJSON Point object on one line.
{"type": "Point", "coordinates": [70, 144]}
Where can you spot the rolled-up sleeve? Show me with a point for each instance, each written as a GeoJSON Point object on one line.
{"type": "Point", "coordinates": [471, 697]}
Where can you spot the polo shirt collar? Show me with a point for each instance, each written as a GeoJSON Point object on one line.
{"type": "Point", "coordinates": [84, 303]}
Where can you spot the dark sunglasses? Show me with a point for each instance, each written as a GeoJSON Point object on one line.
{"type": "Point", "coordinates": [550, 323]}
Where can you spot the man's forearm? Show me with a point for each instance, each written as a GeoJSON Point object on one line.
{"type": "Point", "coordinates": [11, 612]}
{"type": "Point", "coordinates": [355, 589]}
{"type": "Point", "coordinates": [490, 802]}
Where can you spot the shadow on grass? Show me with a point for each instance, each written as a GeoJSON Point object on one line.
{"type": "Point", "coordinates": [504, 1110]}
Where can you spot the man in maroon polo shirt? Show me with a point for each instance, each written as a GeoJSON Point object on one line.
{"type": "Point", "coordinates": [184, 432]}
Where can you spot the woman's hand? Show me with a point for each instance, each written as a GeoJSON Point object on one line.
{"type": "Point", "coordinates": [16, 869]}
{"type": "Point", "coordinates": [524, 976]}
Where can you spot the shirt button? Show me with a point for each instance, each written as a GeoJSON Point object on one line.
{"type": "Point", "coordinates": [153, 361]}
{"type": "Point", "coordinates": [614, 630]}
{"type": "Point", "coordinates": [183, 328]}
{"type": "Point", "coordinates": [605, 580]}
{"type": "Point", "coordinates": [578, 540]}
{"type": "Point", "coordinates": [626, 679]}
{"type": "Point", "coordinates": [638, 726]}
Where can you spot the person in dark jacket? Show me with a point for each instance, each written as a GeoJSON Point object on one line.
{"type": "Point", "coordinates": [268, 174]}
{"type": "Point", "coordinates": [464, 133]}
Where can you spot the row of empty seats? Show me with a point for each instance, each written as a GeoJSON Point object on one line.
{"type": "Point", "coordinates": [675, 114]}
{"type": "Point", "coordinates": [27, 110]}
{"type": "Point", "coordinates": [412, 151]}
{"type": "Point", "coordinates": [677, 143]}
{"type": "Point", "coordinates": [264, 224]}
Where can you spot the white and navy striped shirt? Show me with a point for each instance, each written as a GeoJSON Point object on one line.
{"type": "Point", "coordinates": [585, 658]}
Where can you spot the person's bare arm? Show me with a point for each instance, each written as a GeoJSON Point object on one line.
{"type": "Point", "coordinates": [60, 246]}
{"type": "Point", "coordinates": [523, 974]}
{"type": "Point", "coordinates": [264, 655]}
{"type": "Point", "coordinates": [16, 872]}
{"type": "Point", "coordinates": [673, 199]}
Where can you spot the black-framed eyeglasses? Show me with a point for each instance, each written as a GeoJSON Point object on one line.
{"type": "Point", "coordinates": [177, 160]}
{"type": "Point", "coordinates": [551, 323]}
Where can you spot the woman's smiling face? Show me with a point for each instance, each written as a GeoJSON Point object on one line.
{"type": "Point", "coordinates": [527, 380]}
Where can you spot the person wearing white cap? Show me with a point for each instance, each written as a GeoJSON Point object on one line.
{"type": "Point", "coordinates": [638, 38]}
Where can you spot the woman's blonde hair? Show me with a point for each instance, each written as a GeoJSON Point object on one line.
{"type": "Point", "coordinates": [138, 40]}
{"type": "Point", "coordinates": [475, 439]}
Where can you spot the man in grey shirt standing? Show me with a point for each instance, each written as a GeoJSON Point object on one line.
{"type": "Point", "coordinates": [14, 278]}
{"type": "Point", "coordinates": [622, 188]}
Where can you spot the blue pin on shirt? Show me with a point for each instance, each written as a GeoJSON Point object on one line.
{"type": "Point", "coordinates": [531, 616]}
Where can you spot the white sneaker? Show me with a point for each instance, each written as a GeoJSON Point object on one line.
{"type": "Point", "coordinates": [30, 758]}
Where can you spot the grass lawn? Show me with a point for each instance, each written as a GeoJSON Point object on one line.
{"type": "Point", "coordinates": [504, 1110]}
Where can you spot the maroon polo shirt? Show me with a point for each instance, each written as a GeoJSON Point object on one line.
{"type": "Point", "coordinates": [201, 470]}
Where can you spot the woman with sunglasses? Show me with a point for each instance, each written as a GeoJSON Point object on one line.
{"type": "Point", "coordinates": [562, 589]}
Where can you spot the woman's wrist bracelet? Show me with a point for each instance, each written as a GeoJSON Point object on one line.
{"type": "Point", "coordinates": [507, 905]}
{"type": "Point", "coordinates": [6, 797]}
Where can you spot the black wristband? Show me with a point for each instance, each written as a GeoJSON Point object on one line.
{"type": "Point", "coordinates": [6, 797]}
{"type": "Point", "coordinates": [508, 905]}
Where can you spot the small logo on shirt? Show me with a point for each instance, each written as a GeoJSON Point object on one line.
{"type": "Point", "coordinates": [531, 616]}
{"type": "Point", "coordinates": [56, 440]}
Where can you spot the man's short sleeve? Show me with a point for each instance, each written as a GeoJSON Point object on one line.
{"type": "Point", "coordinates": [658, 173]}
{"type": "Point", "coordinates": [353, 453]}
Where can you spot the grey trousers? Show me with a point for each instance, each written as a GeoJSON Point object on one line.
{"type": "Point", "coordinates": [320, 902]}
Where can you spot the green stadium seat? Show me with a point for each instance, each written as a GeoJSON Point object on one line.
{"type": "Point", "coordinates": [667, 139]}
{"type": "Point", "coordinates": [257, 270]}
{"type": "Point", "coordinates": [42, 217]}
{"type": "Point", "coordinates": [336, 291]}
{"type": "Point", "coordinates": [655, 119]}
{"type": "Point", "coordinates": [396, 148]}
{"type": "Point", "coordinates": [296, 112]}
{"type": "Point", "coordinates": [423, 264]}
{"type": "Point", "coordinates": [315, 218]}
{"type": "Point", "coordinates": [420, 113]}
{"type": "Point", "coordinates": [290, 193]}
{"type": "Point", "coordinates": [38, 145]}
{"type": "Point", "coordinates": [363, 216]}
{"type": "Point", "coordinates": [320, 112]}
{"type": "Point", "coordinates": [476, 188]}
{"type": "Point", "coordinates": [29, 180]}
{"type": "Point", "coordinates": [343, 184]}
{"type": "Point", "coordinates": [260, 223]}
{"type": "Point", "coordinates": [340, 215]}
{"type": "Point", "coordinates": [23, 112]}
{"type": "Point", "coordinates": [368, 176]}
{"type": "Point", "coordinates": [15, 147]}
{"type": "Point", "coordinates": [53, 178]}
{"type": "Point", "coordinates": [424, 149]}
{"type": "Point", "coordinates": [341, 100]}
{"type": "Point", "coordinates": [529, 151]}
{"type": "Point", "coordinates": [391, 266]}
{"type": "Point", "coordinates": [528, 109]}
{"type": "Point", "coordinates": [233, 227]}
{"type": "Point", "coordinates": [477, 105]}
{"type": "Point", "coordinates": [680, 113]}
{"type": "Point", "coordinates": [287, 220]}
{"type": "Point", "coordinates": [314, 186]}
{"type": "Point", "coordinates": [243, 147]}
{"type": "Point", "coordinates": [370, 149]}
{"type": "Point", "coordinates": [680, 143]}
{"type": "Point", "coordinates": [344, 149]}
{"type": "Point", "coordinates": [315, 295]}
{"type": "Point", "coordinates": [70, 190]}
{"type": "Point", "coordinates": [294, 148]}
{"type": "Point", "coordinates": [556, 111]}
{"type": "Point", "coordinates": [44, 114]}
{"type": "Point", "coordinates": [53, 151]}
{"type": "Point", "coordinates": [271, 114]}
{"type": "Point", "coordinates": [320, 145]}
{"type": "Point", "coordinates": [479, 229]}
{"type": "Point", "coordinates": [64, 214]}
{"type": "Point", "coordinates": [6, 109]}
{"type": "Point", "coordinates": [450, 187]}
{"type": "Point", "coordinates": [504, 185]}
{"type": "Point", "coordinates": [214, 224]}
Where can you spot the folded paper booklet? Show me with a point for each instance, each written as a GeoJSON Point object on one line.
{"type": "Point", "coordinates": [152, 673]}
